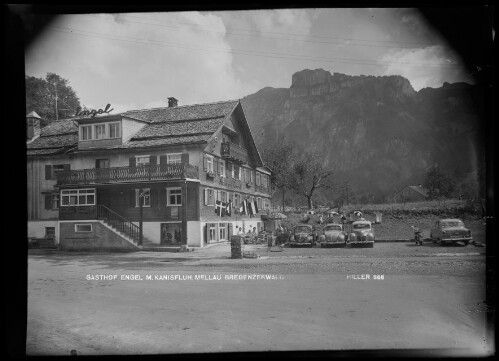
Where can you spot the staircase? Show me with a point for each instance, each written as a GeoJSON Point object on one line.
{"type": "Point", "coordinates": [130, 231]}
{"type": "Point", "coordinates": [120, 225]}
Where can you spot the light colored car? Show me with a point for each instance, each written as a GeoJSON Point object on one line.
{"type": "Point", "coordinates": [303, 235]}
{"type": "Point", "coordinates": [333, 236]}
{"type": "Point", "coordinates": [450, 230]}
{"type": "Point", "coordinates": [362, 234]}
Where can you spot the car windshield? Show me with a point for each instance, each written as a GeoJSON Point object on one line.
{"type": "Point", "coordinates": [361, 226]}
{"type": "Point", "coordinates": [302, 229]}
{"type": "Point", "coordinates": [333, 228]}
{"type": "Point", "coordinates": [448, 224]}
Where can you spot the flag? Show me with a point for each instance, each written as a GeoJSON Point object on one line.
{"type": "Point", "coordinates": [224, 209]}
{"type": "Point", "coordinates": [229, 208]}
{"type": "Point", "coordinates": [218, 208]}
{"type": "Point", "coordinates": [253, 208]}
{"type": "Point", "coordinates": [245, 207]}
{"type": "Point", "coordinates": [256, 207]}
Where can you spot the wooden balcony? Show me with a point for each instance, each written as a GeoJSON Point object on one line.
{"type": "Point", "coordinates": [159, 172]}
{"type": "Point", "coordinates": [234, 153]}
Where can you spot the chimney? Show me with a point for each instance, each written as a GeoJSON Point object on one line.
{"type": "Point", "coordinates": [172, 102]}
{"type": "Point", "coordinates": [32, 126]}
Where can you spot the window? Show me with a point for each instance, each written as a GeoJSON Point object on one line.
{"type": "Point", "coordinates": [114, 130]}
{"type": "Point", "coordinates": [55, 201]}
{"type": "Point", "coordinates": [174, 196]}
{"type": "Point", "coordinates": [258, 179]}
{"type": "Point", "coordinates": [83, 227]}
{"type": "Point", "coordinates": [100, 131]}
{"type": "Point", "coordinates": [78, 197]}
{"type": "Point", "coordinates": [221, 167]}
{"type": "Point", "coordinates": [259, 203]}
{"type": "Point", "coordinates": [218, 195]}
{"type": "Point", "coordinates": [236, 172]}
{"type": "Point", "coordinates": [174, 158]}
{"type": "Point", "coordinates": [237, 200]}
{"type": "Point", "coordinates": [85, 132]}
{"type": "Point", "coordinates": [49, 232]}
{"type": "Point", "coordinates": [209, 197]}
{"type": "Point", "coordinates": [171, 233]}
{"type": "Point", "coordinates": [212, 232]}
{"type": "Point", "coordinates": [209, 163]}
{"type": "Point", "coordinates": [222, 231]}
{"type": "Point", "coordinates": [51, 170]}
{"type": "Point", "coordinates": [102, 163]}
{"type": "Point", "coordinates": [142, 160]}
{"type": "Point", "coordinates": [223, 196]}
{"type": "Point", "coordinates": [264, 181]}
{"type": "Point", "coordinates": [146, 197]}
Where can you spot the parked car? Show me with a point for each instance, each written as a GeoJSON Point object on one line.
{"type": "Point", "coordinates": [362, 234]}
{"type": "Point", "coordinates": [450, 230]}
{"type": "Point", "coordinates": [303, 235]}
{"type": "Point", "coordinates": [333, 236]}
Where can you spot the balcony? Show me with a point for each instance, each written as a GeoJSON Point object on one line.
{"type": "Point", "coordinates": [159, 172]}
{"type": "Point", "coordinates": [234, 153]}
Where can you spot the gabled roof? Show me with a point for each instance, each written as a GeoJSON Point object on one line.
{"type": "Point", "coordinates": [183, 113]}
{"type": "Point", "coordinates": [420, 190]}
{"type": "Point", "coordinates": [56, 138]}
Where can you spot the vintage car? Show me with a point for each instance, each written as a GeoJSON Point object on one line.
{"type": "Point", "coordinates": [333, 236]}
{"type": "Point", "coordinates": [303, 235]}
{"type": "Point", "coordinates": [362, 234]}
{"type": "Point", "coordinates": [450, 231]}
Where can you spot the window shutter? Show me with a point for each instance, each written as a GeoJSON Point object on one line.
{"type": "Point", "coordinates": [153, 194]}
{"type": "Point", "coordinates": [185, 158]}
{"type": "Point", "coordinates": [48, 172]}
{"type": "Point", "coordinates": [153, 160]}
{"type": "Point", "coordinates": [205, 163]}
{"type": "Point", "coordinates": [131, 197]}
{"type": "Point", "coordinates": [162, 159]}
{"type": "Point", "coordinates": [132, 162]}
{"type": "Point", "coordinates": [48, 201]}
{"type": "Point", "coordinates": [205, 191]}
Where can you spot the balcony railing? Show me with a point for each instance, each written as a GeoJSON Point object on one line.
{"type": "Point", "coordinates": [128, 174]}
{"type": "Point", "coordinates": [234, 152]}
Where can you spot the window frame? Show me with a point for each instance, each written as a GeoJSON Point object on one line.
{"type": "Point", "coordinates": [69, 193]}
{"type": "Point", "coordinates": [171, 155]}
{"type": "Point", "coordinates": [221, 165]}
{"type": "Point", "coordinates": [212, 227]}
{"type": "Point", "coordinates": [207, 197]}
{"type": "Point", "coordinates": [102, 135]}
{"type": "Point", "coordinates": [209, 163]}
{"type": "Point", "coordinates": [138, 157]}
{"type": "Point", "coordinates": [77, 225]}
{"type": "Point", "coordinates": [89, 132]}
{"type": "Point", "coordinates": [146, 196]}
{"type": "Point", "coordinates": [118, 123]}
{"type": "Point", "coordinates": [168, 194]}
{"type": "Point", "coordinates": [222, 227]}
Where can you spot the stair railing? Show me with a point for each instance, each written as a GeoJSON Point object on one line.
{"type": "Point", "coordinates": [118, 222]}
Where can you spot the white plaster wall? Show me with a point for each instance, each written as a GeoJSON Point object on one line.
{"type": "Point", "coordinates": [37, 229]}
{"type": "Point", "coordinates": [129, 128]}
{"type": "Point", "coordinates": [194, 234]}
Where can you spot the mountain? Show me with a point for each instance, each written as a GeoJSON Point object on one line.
{"type": "Point", "coordinates": [377, 132]}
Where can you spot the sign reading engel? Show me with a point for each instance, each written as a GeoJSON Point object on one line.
{"type": "Point", "coordinates": [92, 112]}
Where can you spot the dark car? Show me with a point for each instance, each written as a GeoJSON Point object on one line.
{"type": "Point", "coordinates": [362, 234]}
{"type": "Point", "coordinates": [333, 236]}
{"type": "Point", "coordinates": [303, 235]}
{"type": "Point", "coordinates": [450, 231]}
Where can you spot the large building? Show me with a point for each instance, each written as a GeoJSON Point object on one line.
{"type": "Point", "coordinates": [185, 171]}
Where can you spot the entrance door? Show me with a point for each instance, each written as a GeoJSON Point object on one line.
{"type": "Point", "coordinates": [103, 197]}
{"type": "Point", "coordinates": [102, 170]}
{"type": "Point", "coordinates": [171, 233]}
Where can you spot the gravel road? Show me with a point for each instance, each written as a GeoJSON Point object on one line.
{"type": "Point", "coordinates": [393, 296]}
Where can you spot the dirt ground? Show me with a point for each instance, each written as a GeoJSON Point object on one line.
{"type": "Point", "coordinates": [315, 299]}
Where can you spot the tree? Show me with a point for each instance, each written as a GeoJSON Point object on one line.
{"type": "Point", "coordinates": [438, 183]}
{"type": "Point", "coordinates": [44, 96]}
{"type": "Point", "coordinates": [310, 175]}
{"type": "Point", "coordinates": [278, 159]}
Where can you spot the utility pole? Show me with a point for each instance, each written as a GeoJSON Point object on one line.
{"type": "Point", "coordinates": [141, 200]}
{"type": "Point", "coordinates": [56, 111]}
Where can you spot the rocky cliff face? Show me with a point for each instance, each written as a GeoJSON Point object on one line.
{"type": "Point", "coordinates": [378, 132]}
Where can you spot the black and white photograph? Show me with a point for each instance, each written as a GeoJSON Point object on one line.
{"type": "Point", "coordinates": [312, 179]}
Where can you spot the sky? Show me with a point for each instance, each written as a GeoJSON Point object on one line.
{"type": "Point", "coordinates": [138, 60]}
